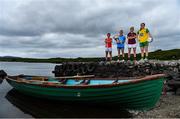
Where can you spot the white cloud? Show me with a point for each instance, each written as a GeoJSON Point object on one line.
{"type": "Point", "coordinates": [76, 28]}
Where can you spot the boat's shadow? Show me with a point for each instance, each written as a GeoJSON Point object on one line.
{"type": "Point", "coordinates": [47, 108]}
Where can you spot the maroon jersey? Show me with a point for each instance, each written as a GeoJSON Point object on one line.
{"type": "Point", "coordinates": [133, 40]}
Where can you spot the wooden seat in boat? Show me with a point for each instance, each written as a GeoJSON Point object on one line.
{"type": "Point", "coordinates": [85, 82]}
{"type": "Point", "coordinates": [40, 78]}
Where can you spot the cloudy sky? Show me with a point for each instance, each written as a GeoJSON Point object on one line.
{"type": "Point", "coordinates": [77, 28]}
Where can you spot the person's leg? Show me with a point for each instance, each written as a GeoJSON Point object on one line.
{"type": "Point", "coordinates": [118, 53]}
{"type": "Point", "coordinates": [129, 53]}
{"type": "Point", "coordinates": [106, 55]}
{"type": "Point", "coordinates": [142, 52]}
{"type": "Point", "coordinates": [122, 53]}
{"type": "Point", "coordinates": [146, 51]}
{"type": "Point", "coordinates": [110, 53]}
{"type": "Point", "coordinates": [134, 53]}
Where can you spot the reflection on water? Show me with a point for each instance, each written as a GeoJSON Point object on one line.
{"type": "Point", "coordinates": [1, 81]}
{"type": "Point", "coordinates": [16, 68]}
{"type": "Point", "coordinates": [47, 108]}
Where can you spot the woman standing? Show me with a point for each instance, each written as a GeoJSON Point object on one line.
{"type": "Point", "coordinates": [120, 44]}
{"type": "Point", "coordinates": [143, 35]}
{"type": "Point", "coordinates": [108, 50]}
{"type": "Point", "coordinates": [131, 43]}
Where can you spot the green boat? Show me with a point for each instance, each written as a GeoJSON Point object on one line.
{"type": "Point", "coordinates": [129, 93]}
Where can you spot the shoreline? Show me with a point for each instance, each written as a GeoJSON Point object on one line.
{"type": "Point", "coordinates": [150, 61]}
{"type": "Point", "coordinates": [162, 55]}
{"type": "Point", "coordinates": [167, 107]}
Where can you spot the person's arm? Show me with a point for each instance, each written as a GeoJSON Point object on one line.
{"type": "Point", "coordinates": [150, 35]}
{"type": "Point", "coordinates": [105, 41]}
{"type": "Point", "coordinates": [129, 37]}
{"type": "Point", "coordinates": [114, 41]}
{"type": "Point", "coordinates": [136, 39]}
{"type": "Point", "coordinates": [115, 38]}
{"type": "Point", "coordinates": [127, 40]}
{"type": "Point", "coordinates": [137, 36]}
{"type": "Point", "coordinates": [151, 38]}
{"type": "Point", "coordinates": [124, 39]}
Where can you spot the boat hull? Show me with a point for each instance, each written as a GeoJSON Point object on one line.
{"type": "Point", "coordinates": [137, 96]}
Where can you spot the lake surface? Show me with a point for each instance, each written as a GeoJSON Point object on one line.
{"type": "Point", "coordinates": [16, 105]}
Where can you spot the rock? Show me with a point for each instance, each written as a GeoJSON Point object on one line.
{"type": "Point", "coordinates": [101, 63]}
{"type": "Point", "coordinates": [177, 79]}
{"type": "Point", "coordinates": [3, 74]}
{"type": "Point", "coordinates": [1, 80]}
{"type": "Point", "coordinates": [174, 85]}
{"type": "Point", "coordinates": [173, 64]}
{"type": "Point", "coordinates": [178, 91]}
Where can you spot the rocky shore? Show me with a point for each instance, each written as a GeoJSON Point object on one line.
{"type": "Point", "coordinates": [167, 107]}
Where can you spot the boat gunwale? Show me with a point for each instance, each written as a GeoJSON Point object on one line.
{"type": "Point", "coordinates": [132, 81]}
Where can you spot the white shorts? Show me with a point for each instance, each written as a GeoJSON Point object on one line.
{"type": "Point", "coordinates": [108, 50]}
{"type": "Point", "coordinates": [132, 45]}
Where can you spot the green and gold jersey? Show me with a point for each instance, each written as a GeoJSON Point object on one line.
{"type": "Point", "coordinates": [143, 35]}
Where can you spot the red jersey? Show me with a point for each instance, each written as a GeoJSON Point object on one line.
{"type": "Point", "coordinates": [108, 42]}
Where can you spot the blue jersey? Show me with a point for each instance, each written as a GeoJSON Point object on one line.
{"type": "Point", "coordinates": [122, 40]}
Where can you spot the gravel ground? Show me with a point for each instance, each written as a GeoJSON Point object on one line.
{"type": "Point", "coordinates": [167, 107]}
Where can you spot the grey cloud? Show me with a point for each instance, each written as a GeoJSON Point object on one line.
{"type": "Point", "coordinates": [54, 41]}
{"type": "Point", "coordinates": [70, 16]}
{"type": "Point", "coordinates": [57, 27]}
{"type": "Point", "coordinates": [23, 43]}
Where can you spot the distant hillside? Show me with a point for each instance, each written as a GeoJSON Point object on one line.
{"type": "Point", "coordinates": [173, 54]}
{"type": "Point", "coordinates": [165, 55]}
{"type": "Point", "coordinates": [158, 54]}
{"type": "Point", "coordinates": [9, 57]}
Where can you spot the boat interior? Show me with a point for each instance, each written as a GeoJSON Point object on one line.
{"type": "Point", "coordinates": [68, 81]}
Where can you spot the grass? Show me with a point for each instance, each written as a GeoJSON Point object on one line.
{"type": "Point", "coordinates": [173, 54]}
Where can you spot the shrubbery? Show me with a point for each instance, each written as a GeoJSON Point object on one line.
{"type": "Point", "coordinates": [158, 54]}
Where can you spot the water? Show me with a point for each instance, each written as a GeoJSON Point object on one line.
{"type": "Point", "coordinates": [16, 105]}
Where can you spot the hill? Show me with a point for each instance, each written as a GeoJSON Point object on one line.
{"type": "Point", "coordinates": [173, 54]}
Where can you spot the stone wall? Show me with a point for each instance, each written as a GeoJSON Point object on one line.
{"type": "Point", "coordinates": [115, 70]}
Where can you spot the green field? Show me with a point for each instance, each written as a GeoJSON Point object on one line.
{"type": "Point", "coordinates": [173, 54]}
